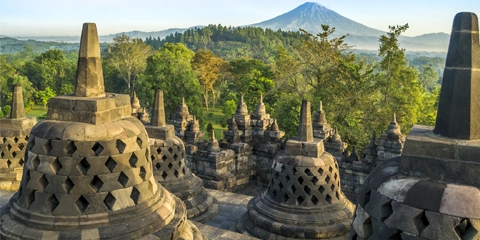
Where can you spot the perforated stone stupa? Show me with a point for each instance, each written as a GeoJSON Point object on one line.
{"type": "Point", "coordinates": [88, 172]}
{"type": "Point", "coordinates": [432, 191]}
{"type": "Point", "coordinates": [14, 133]}
{"type": "Point", "coordinates": [168, 158]}
{"type": "Point", "coordinates": [303, 199]}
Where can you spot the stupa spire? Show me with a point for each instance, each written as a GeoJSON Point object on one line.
{"type": "Point", "coordinates": [305, 131]}
{"type": "Point", "coordinates": [90, 81]}
{"type": "Point", "coordinates": [158, 116]}
{"type": "Point", "coordinates": [17, 110]}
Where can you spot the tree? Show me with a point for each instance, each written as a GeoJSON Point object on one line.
{"type": "Point", "coordinates": [44, 95]}
{"type": "Point", "coordinates": [207, 68]}
{"type": "Point", "coordinates": [129, 57]}
{"type": "Point", "coordinates": [428, 78]}
{"type": "Point", "coordinates": [170, 69]}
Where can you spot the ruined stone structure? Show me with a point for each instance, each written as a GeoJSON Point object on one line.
{"type": "Point", "coordinates": [355, 170]}
{"type": "Point", "coordinates": [135, 104]}
{"type": "Point", "coordinates": [14, 133]}
{"type": "Point", "coordinates": [181, 119]}
{"type": "Point", "coordinates": [303, 199]}
{"type": "Point", "coordinates": [432, 190]}
{"type": "Point", "coordinates": [88, 172]}
{"type": "Point", "coordinates": [321, 128]}
{"type": "Point", "coordinates": [169, 168]}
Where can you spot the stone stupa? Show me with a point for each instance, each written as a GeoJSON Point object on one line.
{"type": "Point", "coordinates": [432, 191]}
{"type": "Point", "coordinates": [14, 133]}
{"type": "Point", "coordinates": [168, 158]}
{"type": "Point", "coordinates": [303, 199]}
{"type": "Point", "coordinates": [88, 172]}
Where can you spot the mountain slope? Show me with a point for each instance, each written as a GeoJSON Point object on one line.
{"type": "Point", "coordinates": [310, 16]}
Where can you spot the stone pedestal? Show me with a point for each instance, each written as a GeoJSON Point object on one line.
{"type": "Point", "coordinates": [216, 169]}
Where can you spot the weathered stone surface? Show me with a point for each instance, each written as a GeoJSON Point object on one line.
{"type": "Point", "coordinates": [426, 195]}
{"type": "Point", "coordinates": [379, 206]}
{"type": "Point", "coordinates": [461, 201]}
{"type": "Point", "coordinates": [407, 219]}
{"type": "Point", "coordinates": [305, 131]}
{"type": "Point", "coordinates": [89, 69]}
{"type": "Point", "coordinates": [461, 83]}
{"type": "Point", "coordinates": [440, 226]}
{"type": "Point", "coordinates": [362, 223]}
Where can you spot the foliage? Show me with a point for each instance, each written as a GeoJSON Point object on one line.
{"type": "Point", "coordinates": [129, 58]}
{"type": "Point", "coordinates": [229, 107]}
{"type": "Point", "coordinates": [170, 69]}
{"type": "Point", "coordinates": [44, 95]}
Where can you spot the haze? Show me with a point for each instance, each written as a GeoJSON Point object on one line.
{"type": "Point", "coordinates": [65, 18]}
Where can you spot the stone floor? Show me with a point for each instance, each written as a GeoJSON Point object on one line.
{"type": "Point", "coordinates": [231, 207]}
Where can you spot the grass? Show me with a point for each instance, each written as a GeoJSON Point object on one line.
{"type": "Point", "coordinates": [37, 111]}
{"type": "Point", "coordinates": [215, 118]}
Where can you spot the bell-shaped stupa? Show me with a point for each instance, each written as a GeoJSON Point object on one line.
{"type": "Point", "coordinates": [88, 172]}
{"type": "Point", "coordinates": [303, 199]}
{"type": "Point", "coordinates": [14, 133]}
{"type": "Point", "coordinates": [168, 157]}
{"type": "Point", "coordinates": [432, 190]}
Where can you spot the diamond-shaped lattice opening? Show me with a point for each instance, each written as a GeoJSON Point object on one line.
{"type": "Point", "coordinates": [282, 168]}
{"type": "Point", "coordinates": [2, 154]}
{"type": "Point", "coordinates": [330, 169]}
{"type": "Point", "coordinates": [143, 173]}
{"type": "Point", "coordinates": [332, 187]}
{"type": "Point", "coordinates": [164, 175]}
{"type": "Point", "coordinates": [14, 154]}
{"type": "Point", "coordinates": [109, 201]}
{"type": "Point", "coordinates": [83, 165]}
{"type": "Point", "coordinates": [123, 179]}
{"type": "Point", "coordinates": [421, 221]}
{"type": "Point", "coordinates": [139, 142]}
{"type": "Point", "coordinates": [274, 166]}
{"type": "Point", "coordinates": [158, 166]}
{"type": "Point", "coordinates": [337, 195]}
{"type": "Point", "coordinates": [314, 200]}
{"type": "Point", "coordinates": [285, 198]}
{"type": "Point", "coordinates": [170, 150]}
{"type": "Point", "coordinates": [9, 147]}
{"type": "Point", "coordinates": [120, 146]}
{"type": "Point", "coordinates": [164, 158]}
{"type": "Point", "coordinates": [15, 139]}
{"type": "Point", "coordinates": [321, 189]}
{"type": "Point", "coordinates": [9, 163]}
{"type": "Point", "coordinates": [159, 150]}
{"type": "Point", "coordinates": [170, 165]}
{"type": "Point", "coordinates": [152, 157]}
{"type": "Point", "coordinates": [178, 148]}
{"type": "Point", "coordinates": [70, 148]}
{"type": "Point", "coordinates": [21, 146]}
{"type": "Point", "coordinates": [96, 183]}
{"type": "Point", "coordinates": [300, 180]}
{"type": "Point", "coordinates": [179, 163]}
{"type": "Point", "coordinates": [110, 164]}
{"type": "Point", "coordinates": [133, 160]}
{"type": "Point", "coordinates": [276, 174]}
{"type": "Point", "coordinates": [300, 200]}
{"type": "Point", "coordinates": [43, 181]}
{"type": "Point", "coordinates": [56, 165]}
{"type": "Point", "coordinates": [30, 198]}
{"type": "Point", "coordinates": [314, 180]}
{"type": "Point", "coordinates": [274, 194]}
{"type": "Point", "coordinates": [97, 148]}
{"type": "Point", "coordinates": [287, 178]}
{"type": "Point", "coordinates": [21, 162]}
{"type": "Point", "coordinates": [335, 176]}
{"type": "Point", "coordinates": [135, 195]}
{"type": "Point", "coordinates": [68, 185]}
{"type": "Point", "coordinates": [307, 190]}
{"type": "Point", "coordinates": [320, 171]}
{"type": "Point", "coordinates": [308, 172]}
{"type": "Point", "coordinates": [176, 173]}
{"type": "Point", "coordinates": [4, 140]}
{"type": "Point", "coordinates": [81, 204]}
{"type": "Point", "coordinates": [294, 170]}
{"type": "Point", "coordinates": [52, 202]}
{"type": "Point", "coordinates": [175, 156]}
{"type": "Point", "coordinates": [183, 171]}
{"type": "Point", "coordinates": [327, 179]}
{"type": "Point", "coordinates": [328, 198]}
{"type": "Point", "coordinates": [280, 186]}
{"type": "Point", "coordinates": [293, 189]}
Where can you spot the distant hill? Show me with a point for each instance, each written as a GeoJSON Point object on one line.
{"type": "Point", "coordinates": [310, 16]}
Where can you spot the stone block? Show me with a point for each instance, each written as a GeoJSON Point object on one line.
{"type": "Point", "coordinates": [441, 226]}
{"type": "Point", "coordinates": [407, 219]}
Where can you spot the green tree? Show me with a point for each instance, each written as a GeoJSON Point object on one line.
{"type": "Point", "coordinates": [428, 78]}
{"type": "Point", "coordinates": [44, 95]}
{"type": "Point", "coordinates": [170, 69]}
{"type": "Point", "coordinates": [129, 57]}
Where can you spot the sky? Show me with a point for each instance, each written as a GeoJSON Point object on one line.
{"type": "Point", "coordinates": [65, 17]}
